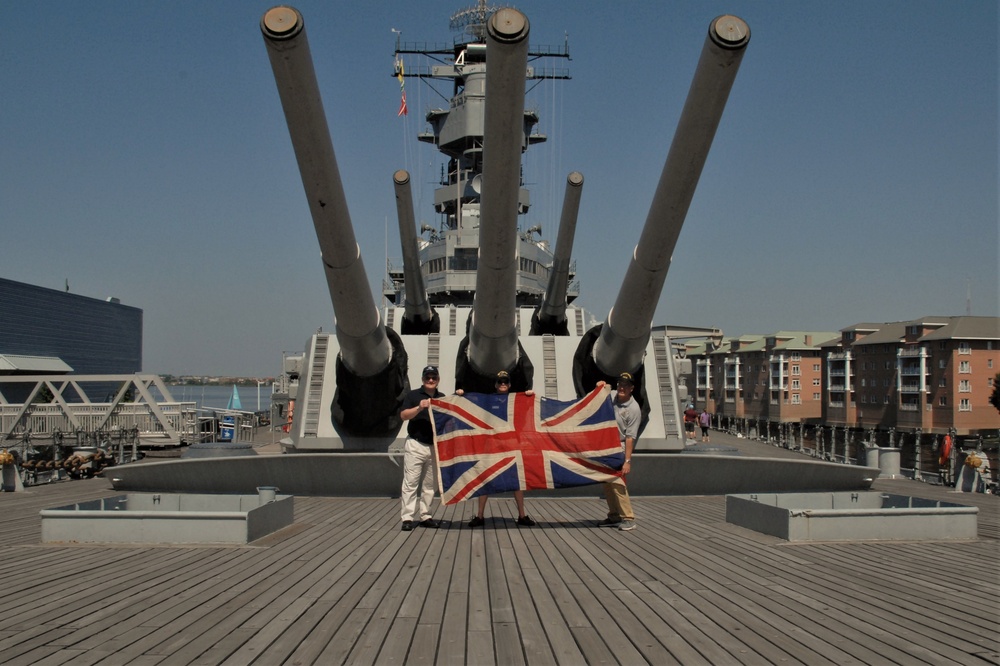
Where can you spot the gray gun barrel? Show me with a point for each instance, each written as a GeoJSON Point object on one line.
{"type": "Point", "coordinates": [493, 344]}
{"type": "Point", "coordinates": [417, 309]}
{"type": "Point", "coordinates": [552, 312]}
{"type": "Point", "coordinates": [625, 333]}
{"type": "Point", "coordinates": [364, 347]}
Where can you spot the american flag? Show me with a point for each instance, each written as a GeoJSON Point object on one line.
{"type": "Point", "coordinates": [488, 444]}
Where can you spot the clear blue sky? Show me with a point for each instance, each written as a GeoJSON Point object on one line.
{"type": "Point", "coordinates": [144, 155]}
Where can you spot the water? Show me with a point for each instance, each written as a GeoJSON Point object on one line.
{"type": "Point", "coordinates": [216, 396]}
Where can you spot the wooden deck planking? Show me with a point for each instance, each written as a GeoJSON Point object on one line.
{"type": "Point", "coordinates": [345, 585]}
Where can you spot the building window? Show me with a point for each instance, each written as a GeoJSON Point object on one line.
{"type": "Point", "coordinates": [795, 370]}
{"type": "Point", "coordinates": [965, 367]}
{"type": "Point", "coordinates": [943, 401]}
{"type": "Point", "coordinates": [885, 400]}
{"type": "Point", "coordinates": [816, 396]}
{"type": "Point", "coordinates": [816, 367]}
{"type": "Point", "coordinates": [964, 348]}
{"type": "Point", "coordinates": [888, 365]}
{"type": "Point", "coordinates": [816, 381]}
{"type": "Point", "coordinates": [795, 385]}
{"type": "Point", "coordinates": [942, 364]}
{"type": "Point", "coordinates": [965, 405]}
{"type": "Point", "coordinates": [965, 386]}
{"type": "Point", "coordinates": [943, 382]}
{"type": "Point", "coordinates": [796, 399]}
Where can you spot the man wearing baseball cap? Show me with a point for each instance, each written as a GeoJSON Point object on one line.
{"type": "Point", "coordinates": [418, 453]}
{"type": "Point", "coordinates": [627, 415]}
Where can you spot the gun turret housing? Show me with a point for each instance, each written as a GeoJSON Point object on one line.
{"type": "Point", "coordinates": [477, 296]}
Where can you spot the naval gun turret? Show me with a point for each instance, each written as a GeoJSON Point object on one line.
{"type": "Point", "coordinates": [370, 367]}
{"type": "Point", "coordinates": [479, 295]}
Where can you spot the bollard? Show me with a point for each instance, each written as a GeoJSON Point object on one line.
{"type": "Point", "coordinates": [888, 462]}
{"type": "Point", "coordinates": [266, 494]}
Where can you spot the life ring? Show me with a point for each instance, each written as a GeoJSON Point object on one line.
{"type": "Point", "coordinates": [945, 451]}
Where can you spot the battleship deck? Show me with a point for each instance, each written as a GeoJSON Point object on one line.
{"type": "Point", "coordinates": [344, 585]}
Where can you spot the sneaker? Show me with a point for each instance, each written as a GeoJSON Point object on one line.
{"type": "Point", "coordinates": [407, 525]}
{"type": "Point", "coordinates": [526, 521]}
{"type": "Point", "coordinates": [476, 522]}
{"type": "Point", "coordinates": [627, 525]}
{"type": "Point", "coordinates": [429, 523]}
{"type": "Point", "coordinates": [610, 522]}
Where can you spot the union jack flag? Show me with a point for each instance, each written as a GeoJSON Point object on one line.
{"type": "Point", "coordinates": [488, 444]}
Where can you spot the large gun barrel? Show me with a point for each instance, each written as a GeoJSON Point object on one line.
{"type": "Point", "coordinates": [552, 312]}
{"type": "Point", "coordinates": [418, 316]}
{"type": "Point", "coordinates": [364, 346]}
{"type": "Point", "coordinates": [626, 330]}
{"type": "Point", "coordinates": [493, 342]}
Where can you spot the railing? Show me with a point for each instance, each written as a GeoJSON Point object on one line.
{"type": "Point", "coordinates": [46, 418]}
{"type": "Point", "coordinates": [919, 452]}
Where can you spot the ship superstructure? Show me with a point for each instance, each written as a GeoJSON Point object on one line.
{"type": "Point", "coordinates": [449, 250]}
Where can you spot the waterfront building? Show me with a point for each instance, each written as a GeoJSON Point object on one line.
{"type": "Point", "coordinates": [932, 374]}
{"type": "Point", "coordinates": [47, 330]}
{"type": "Point", "coordinates": [777, 377]}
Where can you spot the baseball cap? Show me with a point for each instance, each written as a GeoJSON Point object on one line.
{"type": "Point", "coordinates": [429, 370]}
{"type": "Point", "coordinates": [503, 377]}
{"type": "Point", "coordinates": [626, 378]}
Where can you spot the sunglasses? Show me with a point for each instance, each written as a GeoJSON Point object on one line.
{"type": "Point", "coordinates": [430, 377]}
{"type": "Point", "coordinates": [503, 382]}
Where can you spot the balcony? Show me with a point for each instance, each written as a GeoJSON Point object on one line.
{"type": "Point", "coordinates": [912, 353]}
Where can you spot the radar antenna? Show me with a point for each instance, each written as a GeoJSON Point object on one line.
{"type": "Point", "coordinates": [473, 19]}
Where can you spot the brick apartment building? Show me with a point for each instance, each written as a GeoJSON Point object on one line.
{"type": "Point", "coordinates": [776, 377]}
{"type": "Point", "coordinates": [933, 374]}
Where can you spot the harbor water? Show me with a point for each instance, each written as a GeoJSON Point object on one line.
{"type": "Point", "coordinates": [216, 396]}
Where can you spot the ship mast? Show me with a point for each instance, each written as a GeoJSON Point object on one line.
{"type": "Point", "coordinates": [449, 256]}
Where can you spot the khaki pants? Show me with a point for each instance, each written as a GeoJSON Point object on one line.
{"type": "Point", "coordinates": [419, 475]}
{"type": "Point", "coordinates": [619, 504]}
